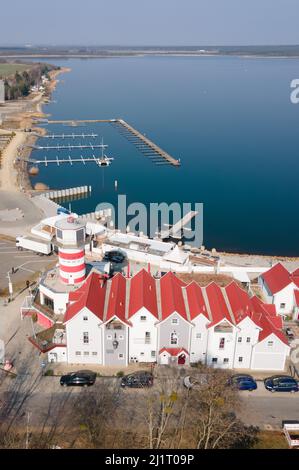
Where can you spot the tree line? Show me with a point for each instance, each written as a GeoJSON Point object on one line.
{"type": "Point", "coordinates": [19, 84]}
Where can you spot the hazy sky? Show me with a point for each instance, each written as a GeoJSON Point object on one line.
{"type": "Point", "coordinates": [149, 22]}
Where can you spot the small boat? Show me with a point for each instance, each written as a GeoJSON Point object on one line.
{"type": "Point", "coordinates": [104, 161]}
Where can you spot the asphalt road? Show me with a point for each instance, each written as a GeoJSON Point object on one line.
{"type": "Point", "coordinates": [27, 262]}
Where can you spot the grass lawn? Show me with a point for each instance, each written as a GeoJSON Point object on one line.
{"type": "Point", "coordinates": [271, 440]}
{"type": "Point", "coordinates": [10, 69]}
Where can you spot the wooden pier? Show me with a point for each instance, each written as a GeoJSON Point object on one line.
{"type": "Point", "coordinates": [145, 145]}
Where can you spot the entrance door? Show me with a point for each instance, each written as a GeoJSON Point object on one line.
{"type": "Point", "coordinates": [182, 359]}
{"type": "Point", "coordinates": [164, 359]}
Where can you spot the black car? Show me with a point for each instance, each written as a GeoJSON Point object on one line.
{"type": "Point", "coordinates": [138, 380]}
{"type": "Point", "coordinates": [83, 378]}
{"type": "Point", "coordinates": [281, 383]}
{"type": "Point", "coordinates": [114, 256]}
{"type": "Point", "coordinates": [243, 382]}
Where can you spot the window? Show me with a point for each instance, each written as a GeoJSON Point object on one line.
{"type": "Point", "coordinates": [240, 339]}
{"type": "Point", "coordinates": [214, 360]}
{"type": "Point", "coordinates": [147, 337]}
{"type": "Point", "coordinates": [78, 353]}
{"type": "Point", "coordinates": [142, 354]}
{"type": "Point", "coordinates": [59, 233]}
{"type": "Point", "coordinates": [109, 336]}
{"type": "Point", "coordinates": [86, 353]}
{"type": "Point", "coordinates": [221, 343]}
{"type": "Point", "coordinates": [270, 344]}
{"type": "Point", "coordinates": [175, 321]}
{"type": "Point", "coordinates": [173, 338]}
{"type": "Point", "coordinates": [85, 337]}
{"type": "Point", "coordinates": [49, 302]}
{"type": "Point", "coordinates": [248, 340]}
{"type": "Point", "coordinates": [198, 335]}
{"type": "Point", "coordinates": [120, 337]}
{"type": "Point", "coordinates": [225, 360]}
{"type": "Point", "coordinates": [282, 306]}
{"type": "Point", "coordinates": [240, 359]}
{"type": "Point", "coordinates": [120, 356]}
{"type": "Point", "coordinates": [94, 353]}
{"type": "Point", "coordinates": [85, 318]}
{"type": "Point", "coordinates": [142, 318]}
{"type": "Point", "coordinates": [153, 353]}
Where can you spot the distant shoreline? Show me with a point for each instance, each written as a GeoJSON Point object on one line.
{"type": "Point", "coordinates": [147, 54]}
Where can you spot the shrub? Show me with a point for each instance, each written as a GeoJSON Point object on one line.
{"type": "Point", "coordinates": [49, 372]}
{"type": "Point", "coordinates": [120, 373]}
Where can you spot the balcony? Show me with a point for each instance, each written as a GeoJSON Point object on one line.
{"type": "Point", "coordinates": [50, 338]}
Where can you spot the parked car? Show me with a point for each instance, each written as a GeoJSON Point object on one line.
{"type": "Point", "coordinates": [83, 378]}
{"type": "Point", "coordinates": [138, 380]}
{"type": "Point", "coordinates": [114, 256]}
{"type": "Point", "coordinates": [281, 383]}
{"type": "Point", "coordinates": [290, 334]}
{"type": "Point", "coordinates": [243, 382]}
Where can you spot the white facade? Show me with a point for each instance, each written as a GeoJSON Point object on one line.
{"type": "Point", "coordinates": [84, 337]}
{"type": "Point", "coordinates": [143, 337]}
{"type": "Point", "coordinates": [199, 339]}
{"type": "Point", "coordinates": [283, 300]}
{"type": "Point", "coordinates": [269, 354]}
{"type": "Point", "coordinates": [221, 345]}
{"type": "Point", "coordinates": [247, 337]}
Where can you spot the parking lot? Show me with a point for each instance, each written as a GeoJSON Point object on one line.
{"type": "Point", "coordinates": [25, 263]}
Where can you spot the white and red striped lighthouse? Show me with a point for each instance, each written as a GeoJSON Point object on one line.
{"type": "Point", "coordinates": [70, 238]}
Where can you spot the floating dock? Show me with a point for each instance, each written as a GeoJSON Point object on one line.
{"type": "Point", "coordinates": [68, 147]}
{"type": "Point", "coordinates": [141, 142]}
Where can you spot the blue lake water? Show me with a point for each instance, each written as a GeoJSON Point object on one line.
{"type": "Point", "coordinates": [231, 122]}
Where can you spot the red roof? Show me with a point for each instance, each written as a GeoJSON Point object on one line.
{"type": "Point", "coordinates": [173, 351]}
{"type": "Point", "coordinates": [295, 277]}
{"type": "Point", "coordinates": [196, 301]}
{"type": "Point", "coordinates": [90, 295]}
{"type": "Point", "coordinates": [296, 294]}
{"type": "Point", "coordinates": [172, 299]}
{"type": "Point", "coordinates": [277, 278]}
{"type": "Point", "coordinates": [239, 301]}
{"type": "Point", "coordinates": [143, 293]}
{"type": "Point", "coordinates": [217, 304]}
{"type": "Point", "coordinates": [117, 298]}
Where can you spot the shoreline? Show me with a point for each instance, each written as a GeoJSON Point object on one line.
{"type": "Point", "coordinates": [17, 178]}
{"type": "Point", "coordinates": [14, 176]}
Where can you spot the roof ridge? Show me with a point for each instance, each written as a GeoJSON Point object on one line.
{"type": "Point", "coordinates": [227, 302]}
{"type": "Point", "coordinates": [207, 303]}
{"type": "Point", "coordinates": [128, 292]}
{"type": "Point", "coordinates": [107, 298]}
{"type": "Point", "coordinates": [186, 303]}
{"type": "Point", "coordinates": [158, 291]}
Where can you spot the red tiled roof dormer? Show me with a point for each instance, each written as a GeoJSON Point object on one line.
{"type": "Point", "coordinates": [277, 278]}
{"type": "Point", "coordinates": [143, 293]}
{"type": "Point", "coordinates": [196, 301]}
{"type": "Point", "coordinates": [90, 295]}
{"type": "Point", "coordinates": [117, 298]}
{"type": "Point", "coordinates": [172, 299]}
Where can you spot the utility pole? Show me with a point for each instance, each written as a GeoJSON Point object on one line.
{"type": "Point", "coordinates": [10, 287]}
{"type": "Point", "coordinates": [27, 431]}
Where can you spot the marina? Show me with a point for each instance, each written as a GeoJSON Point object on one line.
{"type": "Point", "coordinates": [141, 142]}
